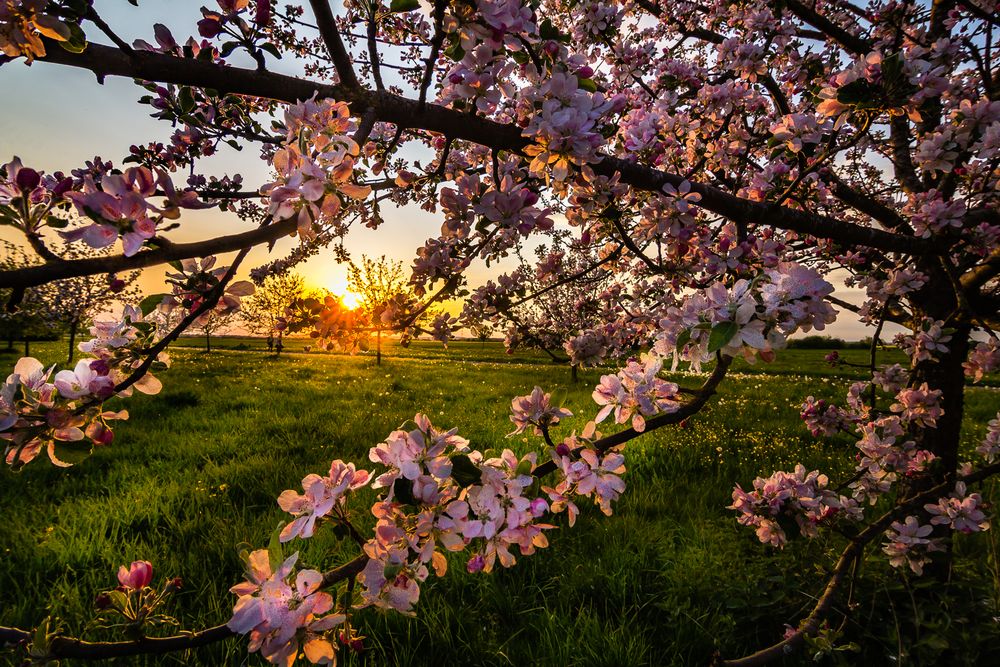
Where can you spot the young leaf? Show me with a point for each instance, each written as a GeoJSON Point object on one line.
{"type": "Point", "coordinates": [464, 471]}
{"type": "Point", "coordinates": [722, 333]}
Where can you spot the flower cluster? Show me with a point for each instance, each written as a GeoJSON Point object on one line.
{"type": "Point", "coordinates": [315, 167]}
{"type": "Point", "coordinates": [321, 496]}
{"type": "Point", "coordinates": [824, 419]}
{"type": "Point", "coordinates": [281, 614]}
{"type": "Point", "coordinates": [593, 474]}
{"type": "Point", "coordinates": [910, 543]}
{"type": "Point", "coordinates": [22, 25]}
{"type": "Point", "coordinates": [752, 318]}
{"type": "Point", "coordinates": [564, 125]}
{"type": "Point", "coordinates": [118, 205]}
{"type": "Point", "coordinates": [783, 497]}
{"type": "Point", "coordinates": [635, 393]}
{"type": "Point", "coordinates": [927, 342]}
{"type": "Point", "coordinates": [65, 416]}
{"type": "Point", "coordinates": [535, 410]}
{"type": "Point", "coordinates": [960, 511]}
{"type": "Point", "coordinates": [508, 205]}
{"type": "Point", "coordinates": [195, 280]}
{"type": "Point", "coordinates": [984, 358]}
{"type": "Point", "coordinates": [989, 449]}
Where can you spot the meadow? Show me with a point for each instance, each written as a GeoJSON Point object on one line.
{"type": "Point", "coordinates": [670, 579]}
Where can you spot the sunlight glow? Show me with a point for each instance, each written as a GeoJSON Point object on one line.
{"type": "Point", "coordinates": [350, 299]}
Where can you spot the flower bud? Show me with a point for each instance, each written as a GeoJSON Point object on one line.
{"type": "Point", "coordinates": [102, 601]}
{"type": "Point", "coordinates": [27, 179]}
{"type": "Point", "coordinates": [209, 27]}
{"type": "Point", "coordinates": [562, 449]}
{"type": "Point", "coordinates": [476, 564]}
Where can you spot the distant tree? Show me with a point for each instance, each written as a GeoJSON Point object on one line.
{"type": "Point", "coordinates": [75, 302]}
{"type": "Point", "coordinates": [384, 293]}
{"type": "Point", "coordinates": [25, 317]}
{"type": "Point", "coordinates": [262, 312]}
{"type": "Point", "coordinates": [213, 324]}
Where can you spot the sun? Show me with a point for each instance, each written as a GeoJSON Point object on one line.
{"type": "Point", "coordinates": [350, 299]}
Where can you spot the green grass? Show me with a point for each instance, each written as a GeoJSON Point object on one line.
{"type": "Point", "coordinates": [193, 475]}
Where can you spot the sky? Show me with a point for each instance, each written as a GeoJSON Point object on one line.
{"type": "Point", "coordinates": [55, 118]}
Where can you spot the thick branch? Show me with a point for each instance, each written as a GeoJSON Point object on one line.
{"type": "Point", "coordinates": [334, 44]}
{"type": "Point", "coordinates": [405, 112]}
{"type": "Point", "coordinates": [58, 270]}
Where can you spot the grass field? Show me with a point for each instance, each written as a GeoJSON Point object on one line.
{"type": "Point", "coordinates": [671, 578]}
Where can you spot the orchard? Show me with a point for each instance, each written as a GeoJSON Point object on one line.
{"type": "Point", "coordinates": [694, 180]}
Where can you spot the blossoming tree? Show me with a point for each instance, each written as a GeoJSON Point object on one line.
{"type": "Point", "coordinates": [722, 160]}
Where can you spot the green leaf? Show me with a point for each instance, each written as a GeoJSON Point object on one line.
{"type": "Point", "coordinates": [722, 333]}
{"type": "Point", "coordinates": [464, 471]}
{"type": "Point", "coordinates": [548, 31]}
{"type": "Point", "coordinates": [150, 303]}
{"type": "Point", "coordinates": [588, 85]}
{"type": "Point", "coordinates": [275, 554]}
{"type": "Point", "coordinates": [228, 48]}
{"type": "Point", "coordinates": [402, 490]}
{"type": "Point", "coordinates": [176, 265]}
{"type": "Point", "coordinates": [683, 339]}
{"type": "Point", "coordinates": [71, 453]}
{"type": "Point", "coordinates": [859, 93]}
{"type": "Point", "coordinates": [270, 48]}
{"type": "Point", "coordinates": [77, 41]}
{"type": "Point", "coordinates": [55, 222]}
{"type": "Point", "coordinates": [403, 5]}
{"type": "Point", "coordinates": [186, 99]}
{"type": "Point", "coordinates": [118, 599]}
{"type": "Point", "coordinates": [455, 52]}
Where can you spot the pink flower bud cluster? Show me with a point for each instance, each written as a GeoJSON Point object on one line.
{"type": "Point", "coordinates": [635, 393]}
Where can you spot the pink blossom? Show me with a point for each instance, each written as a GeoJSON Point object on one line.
{"type": "Point", "coordinates": [535, 410]}
{"type": "Point", "coordinates": [137, 576]}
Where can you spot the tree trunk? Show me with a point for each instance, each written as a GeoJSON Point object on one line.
{"type": "Point", "coordinates": [945, 373]}
{"type": "Point", "coordinates": [378, 348]}
{"type": "Point", "coordinates": [208, 341]}
{"type": "Point", "coordinates": [10, 342]}
{"type": "Point", "coordinates": [572, 373]}
{"type": "Point", "coordinates": [72, 340]}
{"type": "Point", "coordinates": [27, 347]}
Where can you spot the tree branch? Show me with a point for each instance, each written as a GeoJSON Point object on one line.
{"type": "Point", "coordinates": [58, 270]}
{"type": "Point", "coordinates": [334, 44]}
